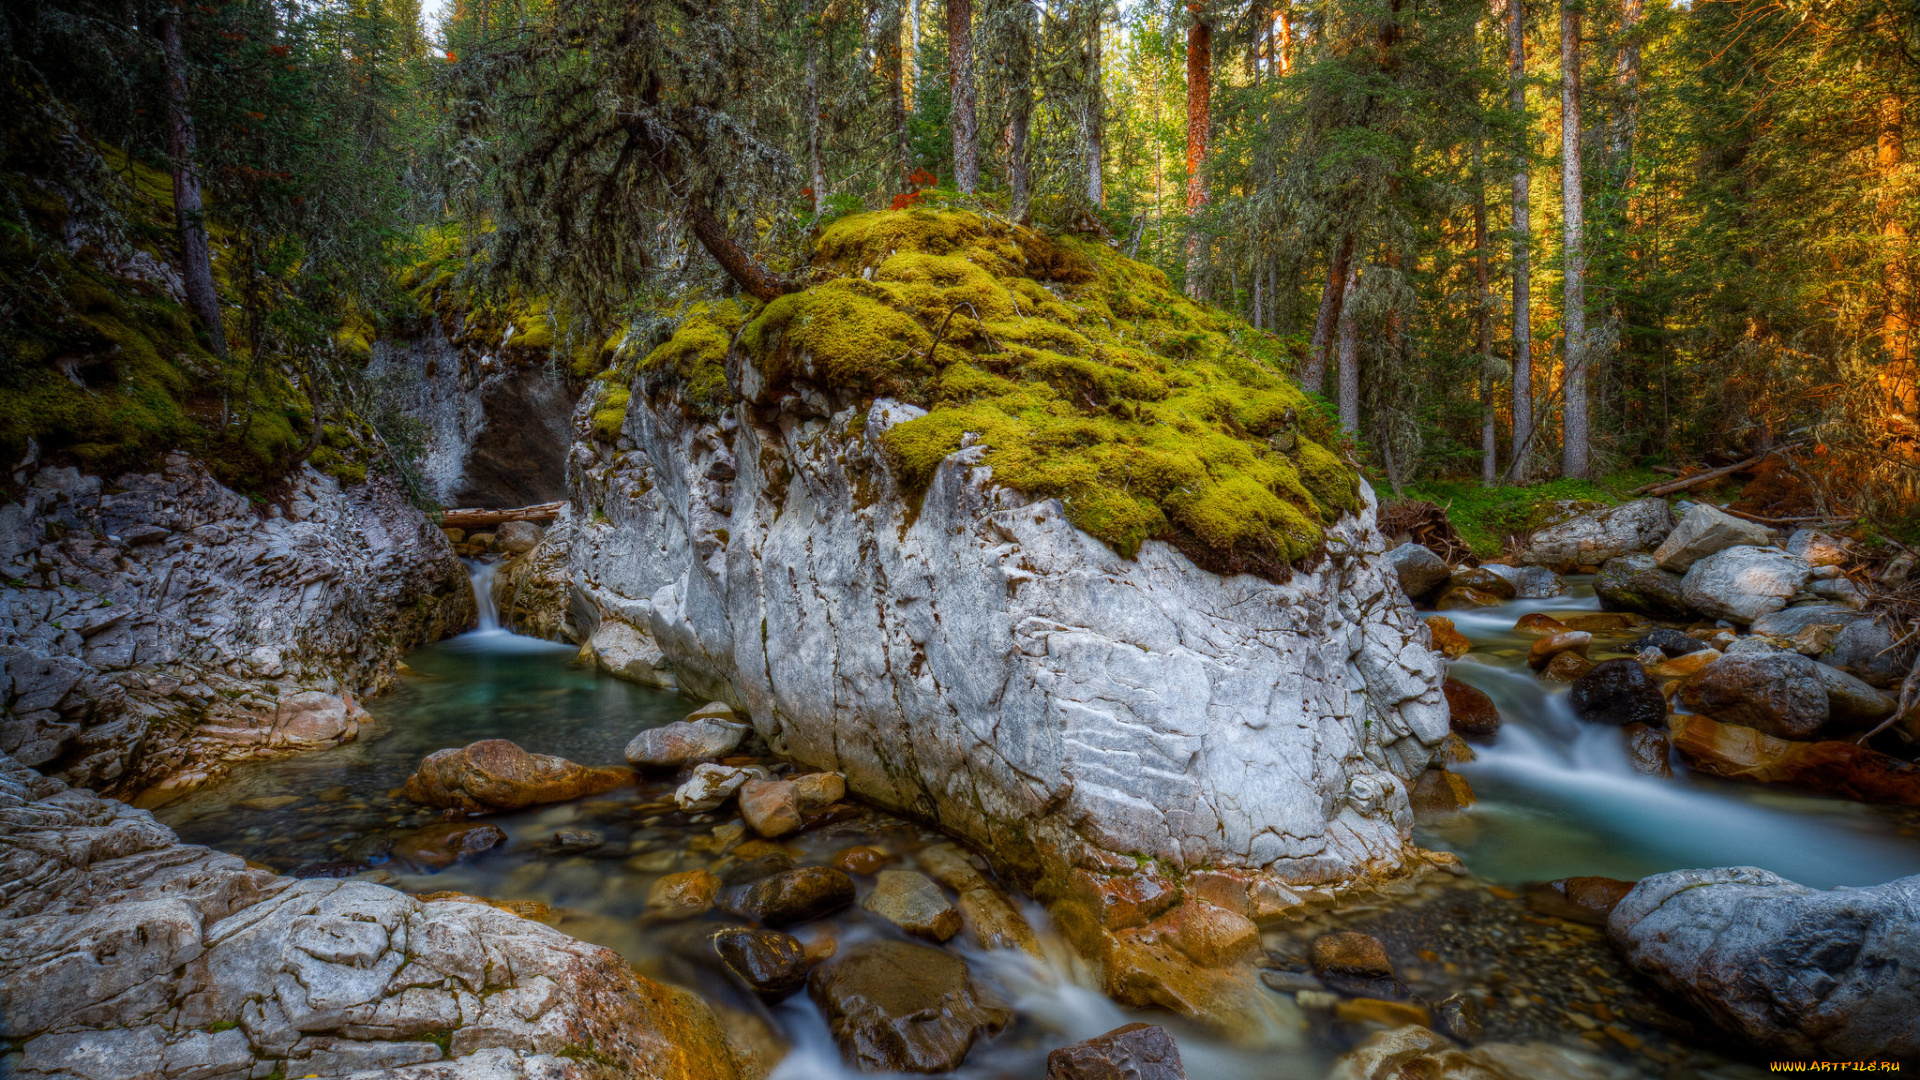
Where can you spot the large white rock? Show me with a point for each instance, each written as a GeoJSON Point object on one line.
{"type": "Point", "coordinates": [1779, 966]}
{"type": "Point", "coordinates": [1703, 531]}
{"type": "Point", "coordinates": [1743, 583]}
{"type": "Point", "coordinates": [1592, 539]}
{"type": "Point", "coordinates": [979, 661]}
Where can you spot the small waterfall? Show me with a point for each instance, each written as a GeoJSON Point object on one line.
{"type": "Point", "coordinates": [490, 636]}
{"type": "Point", "coordinates": [481, 575]}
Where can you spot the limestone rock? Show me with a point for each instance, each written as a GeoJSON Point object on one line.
{"type": "Point", "coordinates": [1530, 582]}
{"type": "Point", "coordinates": [818, 790]}
{"type": "Point", "coordinates": [1465, 598]}
{"type": "Point", "coordinates": [1618, 692]}
{"type": "Point", "coordinates": [1132, 1052]}
{"type": "Point", "coordinates": [1482, 579]}
{"type": "Point", "coordinates": [1703, 531]}
{"type": "Point", "coordinates": [517, 537]}
{"type": "Point", "coordinates": [712, 785]}
{"type": "Point", "coordinates": [771, 807]}
{"type": "Point", "coordinates": [893, 1006]}
{"type": "Point", "coordinates": [1592, 539]}
{"type": "Point", "coordinates": [672, 745]}
{"type": "Point", "coordinates": [1636, 583]}
{"type": "Point", "coordinates": [793, 896]}
{"type": "Point", "coordinates": [1862, 646]}
{"type": "Point", "coordinates": [1420, 571]}
{"type": "Point", "coordinates": [912, 902]}
{"type": "Point", "coordinates": [495, 774]}
{"type": "Point", "coordinates": [1837, 768]}
{"type": "Point", "coordinates": [120, 946]}
{"type": "Point", "coordinates": [1439, 794]}
{"type": "Point", "coordinates": [1778, 692]}
{"type": "Point", "coordinates": [1743, 583]}
{"type": "Point", "coordinates": [1471, 713]}
{"type": "Point", "coordinates": [1355, 963]}
{"type": "Point", "coordinates": [1795, 971]}
{"type": "Point", "coordinates": [626, 652]}
{"type": "Point", "coordinates": [772, 964]}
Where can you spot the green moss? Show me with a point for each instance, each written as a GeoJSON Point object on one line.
{"type": "Point", "coordinates": [611, 416]}
{"type": "Point", "coordinates": [1485, 517]}
{"type": "Point", "coordinates": [1082, 373]}
{"type": "Point", "coordinates": [695, 357]}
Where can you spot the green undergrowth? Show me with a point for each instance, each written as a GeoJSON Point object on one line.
{"type": "Point", "coordinates": [1084, 375]}
{"type": "Point", "coordinates": [1485, 517]}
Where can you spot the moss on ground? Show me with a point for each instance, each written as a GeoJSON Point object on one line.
{"type": "Point", "coordinates": [1084, 374]}
{"type": "Point", "coordinates": [1485, 517]}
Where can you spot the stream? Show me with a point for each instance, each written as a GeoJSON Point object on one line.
{"type": "Point", "coordinates": [1556, 798]}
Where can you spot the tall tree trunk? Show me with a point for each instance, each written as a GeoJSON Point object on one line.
{"type": "Point", "coordinates": [1574, 448]}
{"type": "Point", "coordinates": [895, 52]}
{"type": "Point", "coordinates": [1333, 297]}
{"type": "Point", "coordinates": [1094, 121]}
{"type": "Point", "coordinates": [196, 255]}
{"type": "Point", "coordinates": [1199, 117]}
{"type": "Point", "coordinates": [1020, 118]}
{"type": "Point", "coordinates": [1285, 50]}
{"type": "Point", "coordinates": [966, 133]}
{"type": "Point", "coordinates": [1522, 244]}
{"type": "Point", "coordinates": [1349, 359]}
{"type": "Point", "coordinates": [1483, 324]}
{"type": "Point", "coordinates": [816, 170]}
{"type": "Point", "coordinates": [1896, 328]}
{"type": "Point", "coordinates": [913, 47]}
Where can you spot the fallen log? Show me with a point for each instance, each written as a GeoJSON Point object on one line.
{"type": "Point", "coordinates": [1671, 487]}
{"type": "Point", "coordinates": [478, 519]}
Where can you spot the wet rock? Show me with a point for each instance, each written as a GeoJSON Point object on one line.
{"type": "Point", "coordinates": [712, 785]}
{"type": "Point", "coordinates": [1124, 900]}
{"type": "Point", "coordinates": [1681, 667]}
{"type": "Point", "coordinates": [816, 790]}
{"type": "Point", "coordinates": [1743, 583]}
{"type": "Point", "coordinates": [1592, 539]}
{"type": "Point", "coordinates": [771, 807]}
{"type": "Point", "coordinates": [1447, 641]}
{"type": "Point", "coordinates": [1453, 749]}
{"type": "Point", "coordinates": [437, 847]}
{"type": "Point", "coordinates": [1618, 692]}
{"type": "Point", "coordinates": [1545, 649]}
{"type": "Point", "coordinates": [1649, 750]}
{"type": "Point", "coordinates": [334, 869]}
{"type": "Point", "coordinates": [1703, 531]}
{"type": "Point", "coordinates": [1836, 768]}
{"type": "Point", "coordinates": [1471, 713]}
{"type": "Point", "coordinates": [1287, 981]}
{"type": "Point", "coordinates": [495, 774]}
{"type": "Point", "coordinates": [1210, 935]}
{"type": "Point", "coordinates": [894, 1006]}
{"type": "Point", "coordinates": [1530, 582]}
{"type": "Point", "coordinates": [1636, 583]}
{"type": "Point", "coordinates": [1458, 1016]}
{"type": "Point", "coordinates": [1862, 646]}
{"type": "Point", "coordinates": [1463, 598]}
{"type": "Point", "coordinates": [1355, 963]}
{"type": "Point", "coordinates": [1777, 692]}
{"type": "Point", "coordinates": [1419, 570]}
{"type": "Point", "coordinates": [984, 909]}
{"type": "Point", "coordinates": [1133, 1052]}
{"type": "Point", "coordinates": [1567, 667]}
{"type": "Point", "coordinates": [755, 868]}
{"type": "Point", "coordinates": [1817, 548]}
{"type": "Point", "coordinates": [860, 859]}
{"type": "Point", "coordinates": [574, 841]}
{"type": "Point", "coordinates": [1851, 703]}
{"type": "Point", "coordinates": [1439, 794]}
{"type": "Point", "coordinates": [517, 537]}
{"type": "Point", "coordinates": [1537, 625]}
{"type": "Point", "coordinates": [1381, 1013]}
{"type": "Point", "coordinates": [1604, 623]}
{"type": "Point", "coordinates": [1586, 900]}
{"type": "Point", "coordinates": [1673, 643]}
{"type": "Point", "coordinates": [911, 901]}
{"type": "Point", "coordinates": [672, 745]}
{"type": "Point", "coordinates": [1414, 1051]}
{"type": "Point", "coordinates": [627, 652]}
{"type": "Point", "coordinates": [1779, 966]}
{"type": "Point", "coordinates": [794, 896]}
{"type": "Point", "coordinates": [682, 896]}
{"type": "Point", "coordinates": [772, 964]}
{"type": "Point", "coordinates": [1482, 579]}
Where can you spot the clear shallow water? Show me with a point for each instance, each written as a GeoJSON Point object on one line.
{"type": "Point", "coordinates": [1556, 799]}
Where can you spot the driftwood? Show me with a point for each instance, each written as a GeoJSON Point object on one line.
{"type": "Point", "coordinates": [475, 519]}
{"type": "Point", "coordinates": [1670, 487]}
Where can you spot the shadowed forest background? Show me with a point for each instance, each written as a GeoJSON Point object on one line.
{"type": "Point", "coordinates": [1583, 246]}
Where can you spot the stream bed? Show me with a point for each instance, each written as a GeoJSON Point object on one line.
{"type": "Point", "coordinates": [1556, 799]}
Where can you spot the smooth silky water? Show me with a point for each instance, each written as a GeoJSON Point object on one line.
{"type": "Point", "coordinates": [1557, 798]}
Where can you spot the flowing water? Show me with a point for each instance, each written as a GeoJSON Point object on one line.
{"type": "Point", "coordinates": [1557, 798]}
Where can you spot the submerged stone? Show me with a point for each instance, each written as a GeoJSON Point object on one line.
{"type": "Point", "coordinates": [1132, 1052]}
{"type": "Point", "coordinates": [495, 774]}
{"type": "Point", "coordinates": [894, 1006]}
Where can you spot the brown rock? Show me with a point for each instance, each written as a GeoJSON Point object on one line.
{"type": "Point", "coordinates": [1780, 693]}
{"type": "Point", "coordinates": [1545, 649]}
{"type": "Point", "coordinates": [1391, 1014]}
{"type": "Point", "coordinates": [1133, 1052]}
{"type": "Point", "coordinates": [1470, 712]}
{"type": "Point", "coordinates": [895, 1006]}
{"type": "Point", "coordinates": [532, 910]}
{"type": "Point", "coordinates": [1447, 641]}
{"type": "Point", "coordinates": [1587, 900]}
{"type": "Point", "coordinates": [495, 774]}
{"type": "Point", "coordinates": [984, 909]}
{"type": "Point", "coordinates": [910, 900]}
{"type": "Point", "coordinates": [437, 847]}
{"type": "Point", "coordinates": [1453, 748]}
{"type": "Point", "coordinates": [1648, 750]}
{"type": "Point", "coordinates": [1350, 953]}
{"type": "Point", "coordinates": [772, 964]}
{"type": "Point", "coordinates": [771, 807]}
{"type": "Point", "coordinates": [682, 896]}
{"type": "Point", "coordinates": [1211, 935]}
{"type": "Point", "coordinates": [1458, 598]}
{"type": "Point", "coordinates": [1605, 623]}
{"type": "Point", "coordinates": [1680, 667]}
{"type": "Point", "coordinates": [1841, 769]}
{"type": "Point", "coordinates": [863, 859]}
{"type": "Point", "coordinates": [1439, 794]}
{"type": "Point", "coordinates": [793, 896]}
{"type": "Point", "coordinates": [1481, 579]}
{"type": "Point", "coordinates": [815, 790]}
{"type": "Point", "coordinates": [1566, 667]}
{"type": "Point", "coordinates": [1123, 900]}
{"type": "Point", "coordinates": [1534, 624]}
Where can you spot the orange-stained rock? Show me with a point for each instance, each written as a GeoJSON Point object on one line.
{"type": "Point", "coordinates": [1351, 953]}
{"type": "Point", "coordinates": [1682, 666]}
{"type": "Point", "coordinates": [1438, 794]}
{"type": "Point", "coordinates": [1470, 712]}
{"type": "Point", "coordinates": [495, 774]}
{"type": "Point", "coordinates": [683, 896]}
{"type": "Point", "coordinates": [1124, 900]}
{"type": "Point", "coordinates": [1460, 597]}
{"type": "Point", "coordinates": [1453, 748]}
{"type": "Point", "coordinates": [1648, 749]}
{"type": "Point", "coordinates": [1587, 900]}
{"type": "Point", "coordinates": [1534, 624]}
{"type": "Point", "coordinates": [1566, 667]}
{"type": "Point", "coordinates": [771, 807]}
{"type": "Point", "coordinates": [1447, 641]}
{"type": "Point", "coordinates": [1209, 935]}
{"type": "Point", "coordinates": [862, 859]}
{"type": "Point", "coordinates": [439, 846]}
{"type": "Point", "coordinates": [1391, 1014]}
{"type": "Point", "coordinates": [1545, 649]}
{"type": "Point", "coordinates": [1841, 769]}
{"type": "Point", "coordinates": [1604, 623]}
{"type": "Point", "coordinates": [533, 910]}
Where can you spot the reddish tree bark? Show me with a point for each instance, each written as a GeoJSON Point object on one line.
{"type": "Point", "coordinates": [1199, 118]}
{"type": "Point", "coordinates": [760, 282]}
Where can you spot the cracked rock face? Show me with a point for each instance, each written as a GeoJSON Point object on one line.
{"type": "Point", "coordinates": [154, 629]}
{"type": "Point", "coordinates": [124, 953]}
{"type": "Point", "coordinates": [978, 661]}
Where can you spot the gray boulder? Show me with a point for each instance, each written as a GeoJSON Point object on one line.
{"type": "Point", "coordinates": [517, 537]}
{"type": "Point", "coordinates": [670, 746]}
{"type": "Point", "coordinates": [1592, 539]}
{"type": "Point", "coordinates": [1636, 583]}
{"type": "Point", "coordinates": [1851, 703]}
{"type": "Point", "coordinates": [1704, 531]}
{"type": "Point", "coordinates": [1743, 583]}
{"type": "Point", "coordinates": [1775, 691]}
{"type": "Point", "coordinates": [1779, 966]}
{"type": "Point", "coordinates": [1530, 582]}
{"type": "Point", "coordinates": [1860, 644]}
{"type": "Point", "coordinates": [1420, 570]}
{"type": "Point", "coordinates": [1816, 547]}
